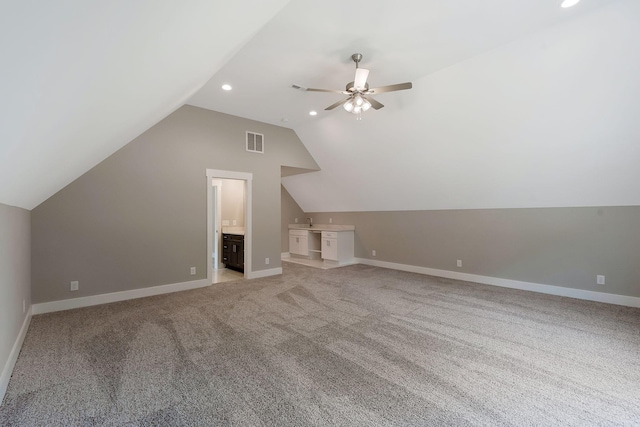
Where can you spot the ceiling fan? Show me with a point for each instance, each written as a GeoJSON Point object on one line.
{"type": "Point", "coordinates": [359, 99]}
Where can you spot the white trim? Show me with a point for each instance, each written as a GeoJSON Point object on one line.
{"type": "Point", "coordinates": [264, 273]}
{"type": "Point", "coordinates": [508, 283]}
{"type": "Point", "coordinates": [247, 177]}
{"type": "Point", "coordinates": [68, 304]}
{"type": "Point", "coordinates": [217, 184]}
{"type": "Point", "coordinates": [285, 255]}
{"type": "Point", "coordinates": [13, 356]}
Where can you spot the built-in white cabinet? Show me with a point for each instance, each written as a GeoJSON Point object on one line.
{"type": "Point", "coordinates": [337, 246]}
{"type": "Point", "coordinates": [299, 242]}
{"type": "Point", "coordinates": [330, 245]}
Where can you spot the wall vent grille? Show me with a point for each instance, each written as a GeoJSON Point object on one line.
{"type": "Point", "coordinates": [255, 142]}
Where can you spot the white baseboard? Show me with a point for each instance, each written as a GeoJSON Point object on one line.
{"type": "Point", "coordinates": [284, 255]}
{"type": "Point", "coordinates": [514, 284]}
{"type": "Point", "coordinates": [68, 304]}
{"type": "Point", "coordinates": [13, 356]}
{"type": "Point", "coordinates": [264, 273]}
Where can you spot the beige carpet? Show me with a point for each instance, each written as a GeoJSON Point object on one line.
{"type": "Point", "coordinates": [352, 346]}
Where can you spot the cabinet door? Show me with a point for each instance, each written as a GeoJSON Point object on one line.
{"type": "Point", "coordinates": [330, 249]}
{"type": "Point", "coordinates": [241, 255]}
{"type": "Point", "coordinates": [293, 245]}
{"type": "Point", "coordinates": [234, 254]}
{"type": "Point", "coordinates": [303, 246]}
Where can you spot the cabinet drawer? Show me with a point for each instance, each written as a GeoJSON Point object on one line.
{"type": "Point", "coordinates": [298, 232]}
{"type": "Point", "coordinates": [329, 234]}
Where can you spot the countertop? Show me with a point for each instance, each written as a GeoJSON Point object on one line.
{"type": "Point", "coordinates": [322, 227]}
{"type": "Point", "coordinates": [233, 230]}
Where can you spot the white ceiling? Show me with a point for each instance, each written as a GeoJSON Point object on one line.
{"type": "Point", "coordinates": [81, 78]}
{"type": "Point", "coordinates": [515, 103]}
{"type": "Point", "coordinates": [309, 43]}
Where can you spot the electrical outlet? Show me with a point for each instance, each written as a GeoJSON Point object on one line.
{"type": "Point", "coordinates": [373, 252]}
{"type": "Point", "coordinates": [225, 222]}
{"type": "Point", "coordinates": [330, 220]}
{"type": "Point", "coordinates": [266, 261]}
{"type": "Point", "coordinates": [235, 222]}
{"type": "Point", "coordinates": [600, 280]}
{"type": "Point", "coordinates": [296, 220]}
{"type": "Point", "coordinates": [74, 285]}
{"type": "Point", "coordinates": [193, 271]}
{"type": "Point", "coordinates": [459, 263]}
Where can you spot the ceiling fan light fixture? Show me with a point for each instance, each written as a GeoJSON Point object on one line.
{"type": "Point", "coordinates": [358, 92]}
{"type": "Point", "coordinates": [348, 105]}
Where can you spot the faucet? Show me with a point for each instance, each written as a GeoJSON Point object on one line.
{"type": "Point", "coordinates": [310, 221]}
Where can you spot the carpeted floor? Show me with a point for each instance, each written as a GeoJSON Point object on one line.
{"type": "Point", "coordinates": [352, 346]}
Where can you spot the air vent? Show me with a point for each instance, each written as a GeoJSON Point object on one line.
{"type": "Point", "coordinates": [255, 142]}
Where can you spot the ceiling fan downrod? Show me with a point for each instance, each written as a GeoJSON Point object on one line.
{"type": "Point", "coordinates": [357, 57]}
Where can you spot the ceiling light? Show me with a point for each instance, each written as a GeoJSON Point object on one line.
{"type": "Point", "coordinates": [348, 105]}
{"type": "Point", "coordinates": [313, 113]}
{"type": "Point", "coordinates": [226, 87]}
{"type": "Point", "coordinates": [569, 3]}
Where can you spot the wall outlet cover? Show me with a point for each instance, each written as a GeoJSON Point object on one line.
{"type": "Point", "coordinates": [74, 285]}
{"type": "Point", "coordinates": [373, 252]}
{"type": "Point", "coordinates": [600, 280]}
{"type": "Point", "coordinates": [266, 261]}
{"type": "Point", "coordinates": [459, 263]}
{"type": "Point", "coordinates": [193, 271]}
{"type": "Point", "coordinates": [225, 222]}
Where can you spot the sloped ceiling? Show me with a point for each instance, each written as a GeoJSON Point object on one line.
{"type": "Point", "coordinates": [81, 78]}
{"type": "Point", "coordinates": [515, 104]}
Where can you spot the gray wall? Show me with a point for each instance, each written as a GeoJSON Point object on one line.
{"type": "Point", "coordinates": [138, 218]}
{"type": "Point", "coordinates": [555, 246]}
{"type": "Point", "coordinates": [15, 275]}
{"type": "Point", "coordinates": [232, 201]}
{"type": "Point", "coordinates": [290, 211]}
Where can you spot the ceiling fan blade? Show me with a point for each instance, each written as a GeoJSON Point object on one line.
{"type": "Point", "coordinates": [337, 104]}
{"type": "Point", "coordinates": [327, 90]}
{"type": "Point", "coordinates": [360, 80]}
{"type": "Point", "coordinates": [390, 88]}
{"type": "Point", "coordinates": [374, 104]}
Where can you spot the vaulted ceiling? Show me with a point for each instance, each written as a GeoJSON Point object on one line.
{"type": "Point", "coordinates": [515, 104]}
{"type": "Point", "coordinates": [81, 78]}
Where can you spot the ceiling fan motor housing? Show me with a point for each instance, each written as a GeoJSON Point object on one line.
{"type": "Point", "coordinates": [351, 87]}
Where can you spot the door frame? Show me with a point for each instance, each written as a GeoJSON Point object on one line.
{"type": "Point", "coordinates": [247, 177]}
{"type": "Point", "coordinates": [216, 199]}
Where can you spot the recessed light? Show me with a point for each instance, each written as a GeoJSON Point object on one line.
{"type": "Point", "coordinates": [313, 113]}
{"type": "Point", "coordinates": [226, 87]}
{"type": "Point", "coordinates": [569, 3]}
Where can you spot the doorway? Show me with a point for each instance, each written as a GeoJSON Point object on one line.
{"type": "Point", "coordinates": [215, 227]}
